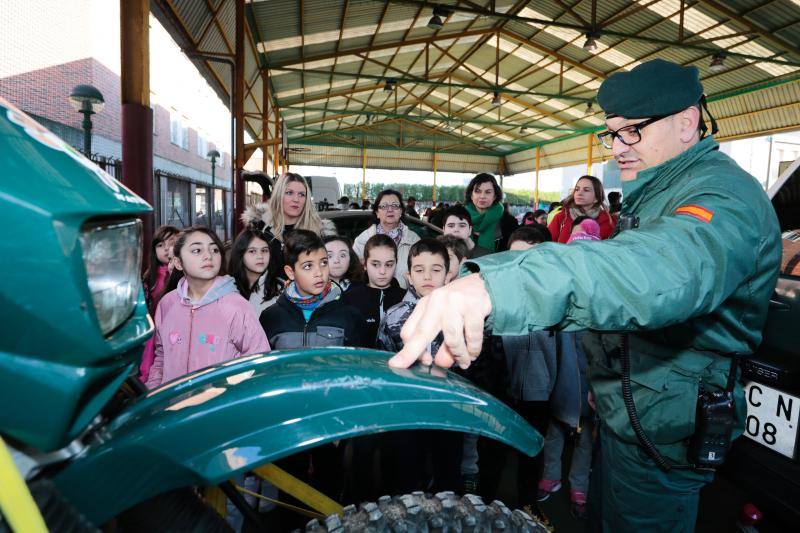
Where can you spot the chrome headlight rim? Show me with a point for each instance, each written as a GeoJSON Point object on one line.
{"type": "Point", "coordinates": [111, 250]}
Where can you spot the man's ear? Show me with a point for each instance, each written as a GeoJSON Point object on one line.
{"type": "Point", "coordinates": [690, 123]}
{"type": "Point", "coordinates": [289, 272]}
{"type": "Point", "coordinates": [408, 279]}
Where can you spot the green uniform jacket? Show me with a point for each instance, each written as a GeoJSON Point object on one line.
{"type": "Point", "coordinates": [691, 284]}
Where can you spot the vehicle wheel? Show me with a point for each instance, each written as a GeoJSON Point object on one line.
{"type": "Point", "coordinates": [417, 511]}
{"type": "Point", "coordinates": [178, 510]}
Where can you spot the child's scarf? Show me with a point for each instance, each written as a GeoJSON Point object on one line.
{"type": "Point", "coordinates": [484, 225]}
{"type": "Point", "coordinates": [306, 303]}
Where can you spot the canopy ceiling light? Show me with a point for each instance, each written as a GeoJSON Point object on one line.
{"type": "Point", "coordinates": [590, 109]}
{"type": "Point", "coordinates": [717, 63]}
{"type": "Point", "coordinates": [390, 83]}
{"type": "Point", "coordinates": [523, 130]}
{"type": "Point", "coordinates": [591, 44]}
{"type": "Point", "coordinates": [496, 99]}
{"type": "Point", "coordinates": [439, 13]}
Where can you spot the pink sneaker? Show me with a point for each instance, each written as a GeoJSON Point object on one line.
{"type": "Point", "coordinates": [546, 488]}
{"type": "Point", "coordinates": [577, 497]}
{"type": "Point", "coordinates": [578, 507]}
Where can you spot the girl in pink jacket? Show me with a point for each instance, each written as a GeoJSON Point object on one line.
{"type": "Point", "coordinates": [205, 321]}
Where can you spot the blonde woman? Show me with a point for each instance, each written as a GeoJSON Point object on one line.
{"type": "Point", "coordinates": [289, 208]}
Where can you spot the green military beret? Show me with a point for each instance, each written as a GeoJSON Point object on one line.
{"type": "Point", "coordinates": [657, 87]}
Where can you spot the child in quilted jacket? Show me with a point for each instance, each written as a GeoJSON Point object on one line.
{"type": "Point", "coordinates": [205, 321]}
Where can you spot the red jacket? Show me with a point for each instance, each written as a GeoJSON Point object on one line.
{"type": "Point", "coordinates": [561, 226]}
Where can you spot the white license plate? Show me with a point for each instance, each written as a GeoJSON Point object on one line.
{"type": "Point", "coordinates": [772, 418]}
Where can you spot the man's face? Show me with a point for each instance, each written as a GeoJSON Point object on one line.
{"type": "Point", "coordinates": [427, 273]}
{"type": "Point", "coordinates": [310, 272]}
{"type": "Point", "coordinates": [660, 142]}
{"type": "Point", "coordinates": [458, 227]}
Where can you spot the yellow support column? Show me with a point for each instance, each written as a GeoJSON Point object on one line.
{"type": "Point", "coordinates": [434, 177]}
{"type": "Point", "coordinates": [364, 172]}
{"type": "Point", "coordinates": [536, 190]}
{"type": "Point", "coordinates": [589, 158]}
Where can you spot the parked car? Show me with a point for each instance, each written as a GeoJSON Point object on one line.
{"type": "Point", "coordinates": [83, 442]}
{"type": "Point", "coordinates": [764, 463]}
{"type": "Point", "coordinates": [352, 222]}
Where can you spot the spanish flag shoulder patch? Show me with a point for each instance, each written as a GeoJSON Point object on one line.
{"type": "Point", "coordinates": [696, 211]}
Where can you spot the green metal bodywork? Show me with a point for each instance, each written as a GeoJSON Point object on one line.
{"type": "Point", "coordinates": [218, 422]}
{"type": "Point", "coordinates": [57, 369]}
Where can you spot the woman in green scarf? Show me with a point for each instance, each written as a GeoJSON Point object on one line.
{"type": "Point", "coordinates": [483, 203]}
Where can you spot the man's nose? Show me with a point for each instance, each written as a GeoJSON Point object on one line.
{"type": "Point", "coordinates": [618, 147]}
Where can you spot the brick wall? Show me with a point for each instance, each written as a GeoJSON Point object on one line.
{"type": "Point", "coordinates": [44, 92]}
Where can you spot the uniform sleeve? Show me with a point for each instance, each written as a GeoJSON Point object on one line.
{"type": "Point", "coordinates": [156, 374]}
{"type": "Point", "coordinates": [247, 334]}
{"type": "Point", "coordinates": [674, 268]}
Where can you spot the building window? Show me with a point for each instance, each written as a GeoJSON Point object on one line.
{"type": "Point", "coordinates": [202, 146]}
{"type": "Point", "coordinates": [178, 133]}
{"type": "Point", "coordinates": [201, 206]}
{"type": "Point", "coordinates": [218, 214]}
{"type": "Point", "coordinates": [176, 204]}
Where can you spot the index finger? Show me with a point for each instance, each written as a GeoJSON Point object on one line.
{"type": "Point", "coordinates": [426, 321]}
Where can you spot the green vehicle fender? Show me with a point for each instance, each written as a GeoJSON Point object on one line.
{"type": "Point", "coordinates": [219, 422]}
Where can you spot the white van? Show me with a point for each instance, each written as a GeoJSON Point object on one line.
{"type": "Point", "coordinates": [324, 189]}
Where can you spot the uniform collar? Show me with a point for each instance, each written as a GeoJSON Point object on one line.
{"type": "Point", "coordinates": [653, 180]}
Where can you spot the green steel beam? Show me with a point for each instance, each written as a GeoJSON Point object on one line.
{"type": "Point", "coordinates": [529, 125]}
{"type": "Point", "coordinates": [301, 141]}
{"type": "Point", "coordinates": [713, 98]}
{"type": "Point", "coordinates": [597, 32]}
{"type": "Point", "coordinates": [414, 79]}
{"type": "Point", "coordinates": [368, 134]}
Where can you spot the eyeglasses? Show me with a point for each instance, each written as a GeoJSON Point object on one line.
{"type": "Point", "coordinates": [387, 207]}
{"type": "Point", "coordinates": [629, 135]}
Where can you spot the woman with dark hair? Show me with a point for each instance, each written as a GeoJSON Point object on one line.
{"type": "Point", "coordinates": [389, 210]}
{"type": "Point", "coordinates": [585, 200]}
{"type": "Point", "coordinates": [482, 200]}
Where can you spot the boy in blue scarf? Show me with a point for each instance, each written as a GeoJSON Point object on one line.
{"type": "Point", "coordinates": [310, 312]}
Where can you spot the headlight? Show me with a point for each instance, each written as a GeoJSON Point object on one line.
{"type": "Point", "coordinates": [112, 254]}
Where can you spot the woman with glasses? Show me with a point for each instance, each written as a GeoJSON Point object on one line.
{"type": "Point", "coordinates": [389, 210]}
{"type": "Point", "coordinates": [586, 200]}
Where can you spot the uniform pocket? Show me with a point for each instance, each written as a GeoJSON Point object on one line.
{"type": "Point", "coordinates": [665, 396]}
{"type": "Point", "coordinates": [327, 336]}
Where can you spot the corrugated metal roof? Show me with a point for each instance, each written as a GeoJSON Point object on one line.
{"type": "Point", "coordinates": [534, 58]}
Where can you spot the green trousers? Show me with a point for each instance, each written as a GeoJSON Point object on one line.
{"type": "Point", "coordinates": [629, 492]}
